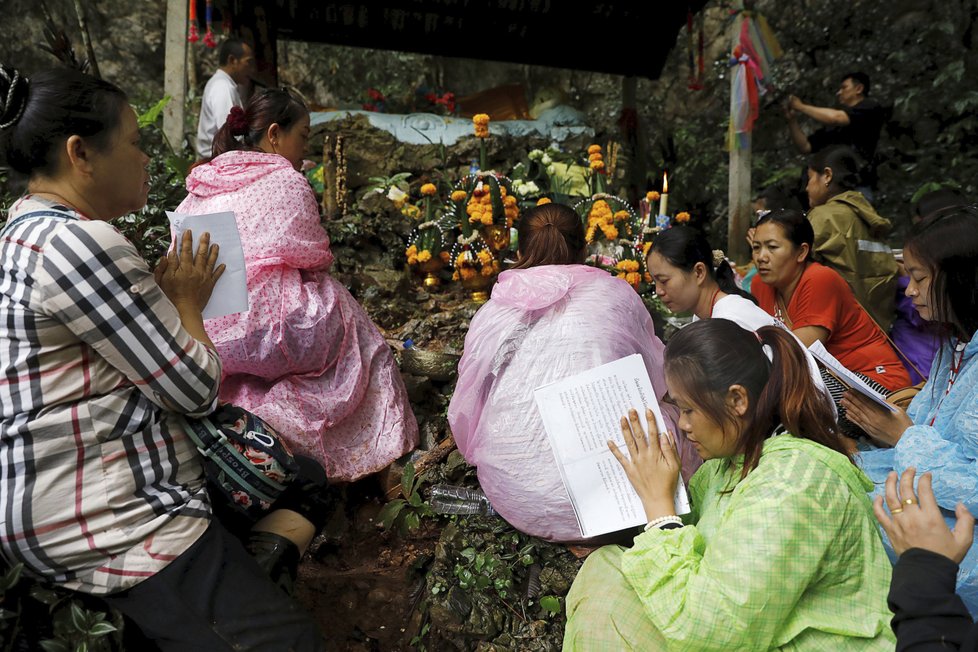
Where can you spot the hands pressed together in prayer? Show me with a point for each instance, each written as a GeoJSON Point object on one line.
{"type": "Point", "coordinates": [652, 466]}
{"type": "Point", "coordinates": [915, 521]}
{"type": "Point", "coordinates": [879, 423]}
{"type": "Point", "coordinates": [188, 279]}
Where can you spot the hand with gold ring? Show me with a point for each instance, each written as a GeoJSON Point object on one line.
{"type": "Point", "coordinates": [920, 523]}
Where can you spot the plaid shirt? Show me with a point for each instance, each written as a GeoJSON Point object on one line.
{"type": "Point", "coordinates": [99, 488]}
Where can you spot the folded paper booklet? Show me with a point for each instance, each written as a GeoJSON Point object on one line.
{"type": "Point", "coordinates": [846, 377]}
{"type": "Point", "coordinates": [580, 414]}
{"type": "Point", "coordinates": [230, 295]}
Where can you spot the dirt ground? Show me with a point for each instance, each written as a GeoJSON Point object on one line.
{"type": "Point", "coordinates": [359, 583]}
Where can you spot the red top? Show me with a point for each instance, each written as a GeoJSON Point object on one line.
{"type": "Point", "coordinates": [823, 298]}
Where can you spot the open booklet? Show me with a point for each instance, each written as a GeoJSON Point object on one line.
{"type": "Point", "coordinates": [230, 295]}
{"type": "Point", "coordinates": [580, 414]}
{"type": "Point", "coordinates": [851, 380]}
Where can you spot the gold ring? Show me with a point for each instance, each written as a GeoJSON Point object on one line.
{"type": "Point", "coordinates": [896, 511]}
{"type": "Point", "coordinates": [908, 501]}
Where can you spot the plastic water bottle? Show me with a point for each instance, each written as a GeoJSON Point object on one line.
{"type": "Point", "coordinates": [450, 499]}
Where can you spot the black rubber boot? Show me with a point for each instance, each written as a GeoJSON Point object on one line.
{"type": "Point", "coordinates": [277, 556]}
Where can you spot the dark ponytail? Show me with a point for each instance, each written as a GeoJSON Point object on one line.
{"type": "Point", "coordinates": [245, 129]}
{"type": "Point", "coordinates": [707, 357]}
{"type": "Point", "coordinates": [683, 247]}
{"type": "Point", "coordinates": [551, 234]}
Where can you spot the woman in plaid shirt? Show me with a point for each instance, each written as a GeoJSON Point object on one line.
{"type": "Point", "coordinates": [100, 490]}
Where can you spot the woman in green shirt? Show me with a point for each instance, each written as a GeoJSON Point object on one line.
{"type": "Point", "coordinates": [781, 550]}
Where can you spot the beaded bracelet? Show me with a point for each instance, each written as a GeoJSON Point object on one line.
{"type": "Point", "coordinates": [663, 520]}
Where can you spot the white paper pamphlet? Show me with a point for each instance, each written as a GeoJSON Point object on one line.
{"type": "Point", "coordinates": [580, 414]}
{"type": "Point", "coordinates": [230, 295]}
{"type": "Point", "coordinates": [847, 377]}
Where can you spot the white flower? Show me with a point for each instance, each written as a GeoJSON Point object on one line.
{"type": "Point", "coordinates": [546, 160]}
{"type": "Point", "coordinates": [535, 155]}
{"type": "Point", "coordinates": [551, 170]}
{"type": "Point", "coordinates": [395, 194]}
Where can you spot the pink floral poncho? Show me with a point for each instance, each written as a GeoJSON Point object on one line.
{"type": "Point", "coordinates": [305, 357]}
{"type": "Point", "coordinates": [541, 325]}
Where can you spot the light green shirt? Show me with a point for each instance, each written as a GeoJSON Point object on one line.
{"type": "Point", "coordinates": [790, 558]}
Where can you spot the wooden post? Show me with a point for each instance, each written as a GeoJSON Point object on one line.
{"type": "Point", "coordinates": [738, 196]}
{"type": "Point", "coordinates": [635, 180]}
{"type": "Point", "coordinates": [175, 72]}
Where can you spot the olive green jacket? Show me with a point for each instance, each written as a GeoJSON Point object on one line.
{"type": "Point", "coordinates": [849, 237]}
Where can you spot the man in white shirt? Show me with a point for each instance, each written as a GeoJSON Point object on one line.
{"type": "Point", "coordinates": [237, 64]}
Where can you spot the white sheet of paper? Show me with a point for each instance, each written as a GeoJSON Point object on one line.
{"type": "Point", "coordinates": [230, 295]}
{"type": "Point", "coordinates": [852, 380]}
{"type": "Point", "coordinates": [580, 414]}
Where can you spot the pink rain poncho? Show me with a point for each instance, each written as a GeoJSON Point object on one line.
{"type": "Point", "coordinates": [541, 325]}
{"type": "Point", "coordinates": [305, 357]}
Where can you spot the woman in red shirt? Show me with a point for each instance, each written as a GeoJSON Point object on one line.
{"type": "Point", "coordinates": [816, 303]}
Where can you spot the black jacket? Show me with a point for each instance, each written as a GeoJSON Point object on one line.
{"type": "Point", "coordinates": [928, 614]}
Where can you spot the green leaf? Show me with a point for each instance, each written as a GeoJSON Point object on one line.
{"type": "Point", "coordinates": [101, 629]}
{"type": "Point", "coordinates": [390, 512]}
{"type": "Point", "coordinates": [152, 114]}
{"type": "Point", "coordinates": [551, 604]}
{"type": "Point", "coordinates": [415, 499]}
{"type": "Point", "coordinates": [407, 480]}
{"type": "Point", "coordinates": [468, 554]}
{"type": "Point", "coordinates": [11, 578]}
{"type": "Point", "coordinates": [54, 645]}
{"type": "Point", "coordinates": [412, 521]}
{"type": "Point", "coordinates": [78, 617]}
{"type": "Point", "coordinates": [82, 646]}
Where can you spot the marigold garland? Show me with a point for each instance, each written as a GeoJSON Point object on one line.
{"type": "Point", "coordinates": [481, 123]}
{"type": "Point", "coordinates": [429, 189]}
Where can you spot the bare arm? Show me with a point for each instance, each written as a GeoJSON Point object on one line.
{"type": "Point", "coordinates": [808, 334]}
{"type": "Point", "coordinates": [798, 136]}
{"type": "Point", "coordinates": [825, 115]}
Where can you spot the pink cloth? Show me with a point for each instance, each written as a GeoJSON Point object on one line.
{"type": "Point", "coordinates": [541, 325]}
{"type": "Point", "coordinates": [305, 357]}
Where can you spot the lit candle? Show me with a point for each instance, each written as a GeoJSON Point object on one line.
{"type": "Point", "coordinates": [664, 200]}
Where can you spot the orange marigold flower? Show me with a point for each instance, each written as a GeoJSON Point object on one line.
{"type": "Point", "coordinates": [652, 195]}
{"type": "Point", "coordinates": [633, 278]}
{"type": "Point", "coordinates": [595, 157]}
{"type": "Point", "coordinates": [544, 200]}
{"type": "Point", "coordinates": [459, 195]}
{"type": "Point", "coordinates": [481, 119]}
{"type": "Point", "coordinates": [487, 270]}
{"type": "Point", "coordinates": [445, 257]}
{"type": "Point", "coordinates": [597, 166]}
{"type": "Point", "coordinates": [594, 149]}
{"type": "Point", "coordinates": [621, 215]}
{"type": "Point", "coordinates": [484, 257]}
{"type": "Point", "coordinates": [682, 216]}
{"type": "Point", "coordinates": [487, 218]}
{"type": "Point", "coordinates": [509, 201]}
{"type": "Point", "coordinates": [429, 189]}
{"type": "Point", "coordinates": [424, 256]}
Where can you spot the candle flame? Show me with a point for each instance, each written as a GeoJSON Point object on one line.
{"type": "Point", "coordinates": [665, 182]}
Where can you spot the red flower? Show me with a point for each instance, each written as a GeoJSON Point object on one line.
{"type": "Point", "coordinates": [369, 107]}
{"type": "Point", "coordinates": [375, 95]}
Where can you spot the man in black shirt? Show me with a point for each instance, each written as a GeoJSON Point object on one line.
{"type": "Point", "coordinates": [857, 124]}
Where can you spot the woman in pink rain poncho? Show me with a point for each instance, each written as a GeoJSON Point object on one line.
{"type": "Point", "coordinates": [549, 318]}
{"type": "Point", "coordinates": [305, 356]}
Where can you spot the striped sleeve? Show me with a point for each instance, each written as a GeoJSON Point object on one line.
{"type": "Point", "coordinates": [95, 283]}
